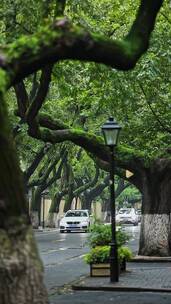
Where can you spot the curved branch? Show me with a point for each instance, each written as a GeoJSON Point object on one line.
{"type": "Point", "coordinates": [97, 190]}
{"type": "Point", "coordinates": [61, 132]}
{"type": "Point", "coordinates": [65, 41]}
{"type": "Point", "coordinates": [60, 7]}
{"type": "Point", "coordinates": [38, 158]}
{"type": "Point", "coordinates": [165, 128]}
{"type": "Point", "coordinates": [41, 94]}
{"type": "Point", "coordinates": [22, 98]}
{"type": "Point", "coordinates": [87, 185]}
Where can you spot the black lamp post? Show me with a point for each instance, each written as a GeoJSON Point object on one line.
{"type": "Point", "coordinates": [111, 133]}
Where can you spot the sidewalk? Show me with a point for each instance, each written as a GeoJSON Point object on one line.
{"type": "Point", "coordinates": [142, 274]}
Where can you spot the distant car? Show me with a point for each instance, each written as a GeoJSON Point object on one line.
{"type": "Point", "coordinates": [75, 220]}
{"type": "Point", "coordinates": [127, 216]}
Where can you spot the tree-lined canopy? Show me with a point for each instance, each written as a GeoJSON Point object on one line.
{"type": "Point", "coordinates": [64, 68]}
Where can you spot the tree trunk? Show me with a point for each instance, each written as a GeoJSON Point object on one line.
{"type": "Point", "coordinates": [156, 209]}
{"type": "Point", "coordinates": [154, 236]}
{"type": "Point", "coordinates": [36, 208]}
{"type": "Point", "coordinates": [21, 272]}
{"type": "Point", "coordinates": [52, 220]}
{"type": "Point", "coordinates": [86, 202]}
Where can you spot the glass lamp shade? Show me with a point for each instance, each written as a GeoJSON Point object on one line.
{"type": "Point", "coordinates": [110, 131]}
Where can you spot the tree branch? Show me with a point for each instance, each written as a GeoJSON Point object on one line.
{"type": "Point", "coordinates": [164, 128]}
{"type": "Point", "coordinates": [40, 95]}
{"type": "Point", "coordinates": [87, 185]}
{"type": "Point", "coordinates": [65, 41]}
{"type": "Point", "coordinates": [60, 7]}
{"type": "Point", "coordinates": [22, 98]}
{"type": "Point", "coordinates": [30, 170]}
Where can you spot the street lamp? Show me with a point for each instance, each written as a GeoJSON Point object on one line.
{"type": "Point", "coordinates": [110, 132]}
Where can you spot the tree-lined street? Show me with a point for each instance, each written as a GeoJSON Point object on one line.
{"type": "Point", "coordinates": [66, 66]}
{"type": "Point", "coordinates": [62, 255]}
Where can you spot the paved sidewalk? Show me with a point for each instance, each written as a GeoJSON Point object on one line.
{"type": "Point", "coordinates": [142, 274]}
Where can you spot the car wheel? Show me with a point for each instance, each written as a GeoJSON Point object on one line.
{"type": "Point", "coordinates": [135, 224]}
{"type": "Point", "coordinates": [61, 231]}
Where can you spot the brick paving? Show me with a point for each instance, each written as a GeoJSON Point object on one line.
{"type": "Point", "coordinates": [153, 276]}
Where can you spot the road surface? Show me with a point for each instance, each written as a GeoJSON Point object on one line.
{"type": "Point", "coordinates": [62, 255]}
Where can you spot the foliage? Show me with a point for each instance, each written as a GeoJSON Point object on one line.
{"type": "Point", "coordinates": [98, 254]}
{"type": "Point", "coordinates": [101, 235]}
{"type": "Point", "coordinates": [125, 253]}
{"type": "Point", "coordinates": [129, 195]}
{"type": "Point", "coordinates": [101, 254]}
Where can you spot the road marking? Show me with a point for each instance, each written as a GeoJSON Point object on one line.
{"type": "Point", "coordinates": [67, 260]}
{"type": "Point", "coordinates": [53, 250]}
{"type": "Point", "coordinates": [60, 249]}
{"type": "Point", "coordinates": [61, 240]}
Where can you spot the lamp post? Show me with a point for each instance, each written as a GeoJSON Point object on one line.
{"type": "Point", "coordinates": [110, 132]}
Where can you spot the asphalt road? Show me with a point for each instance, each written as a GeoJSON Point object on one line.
{"type": "Point", "coordinates": [62, 256]}
{"type": "Point", "coordinates": [100, 297]}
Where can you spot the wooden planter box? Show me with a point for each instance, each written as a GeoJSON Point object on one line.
{"type": "Point", "coordinates": [103, 269]}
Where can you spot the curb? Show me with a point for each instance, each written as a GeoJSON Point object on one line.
{"type": "Point", "coordinates": [149, 259]}
{"type": "Point", "coordinates": [120, 288]}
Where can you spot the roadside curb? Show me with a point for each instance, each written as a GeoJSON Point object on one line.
{"type": "Point", "coordinates": [149, 259]}
{"type": "Point", "coordinates": [120, 288]}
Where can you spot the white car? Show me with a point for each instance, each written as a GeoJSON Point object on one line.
{"type": "Point", "coordinates": [75, 220]}
{"type": "Point", "coordinates": [127, 216]}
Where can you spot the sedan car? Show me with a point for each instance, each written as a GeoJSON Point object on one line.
{"type": "Point", "coordinates": [75, 220]}
{"type": "Point", "coordinates": [127, 216]}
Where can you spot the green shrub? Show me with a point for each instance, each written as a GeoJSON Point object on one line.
{"type": "Point", "coordinates": [100, 235]}
{"type": "Point", "coordinates": [124, 252]}
{"type": "Point", "coordinates": [101, 254]}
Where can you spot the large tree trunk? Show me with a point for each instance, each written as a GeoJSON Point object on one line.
{"type": "Point", "coordinates": [86, 202]}
{"type": "Point", "coordinates": [52, 220]}
{"type": "Point", "coordinates": [154, 236]}
{"type": "Point", "coordinates": [21, 272]}
{"type": "Point", "coordinates": [36, 208]}
{"type": "Point", "coordinates": [156, 208]}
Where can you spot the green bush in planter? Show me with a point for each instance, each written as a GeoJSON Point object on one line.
{"type": "Point", "coordinates": [124, 253]}
{"type": "Point", "coordinates": [100, 235]}
{"type": "Point", "coordinates": [98, 254]}
{"type": "Point", "coordinates": [101, 254]}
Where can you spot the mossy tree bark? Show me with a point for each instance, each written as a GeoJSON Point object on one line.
{"type": "Point", "coordinates": [21, 272]}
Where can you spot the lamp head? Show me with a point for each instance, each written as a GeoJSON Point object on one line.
{"type": "Point", "coordinates": [110, 131]}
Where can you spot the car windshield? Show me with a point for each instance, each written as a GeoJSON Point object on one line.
{"type": "Point", "coordinates": [124, 211]}
{"type": "Point", "coordinates": [76, 213]}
